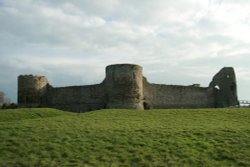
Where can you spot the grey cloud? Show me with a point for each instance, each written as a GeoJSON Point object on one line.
{"type": "Point", "coordinates": [177, 42]}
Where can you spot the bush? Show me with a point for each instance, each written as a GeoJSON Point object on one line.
{"type": "Point", "coordinates": [9, 106]}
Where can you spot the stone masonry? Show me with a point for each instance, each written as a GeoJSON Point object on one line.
{"type": "Point", "coordinates": [125, 87]}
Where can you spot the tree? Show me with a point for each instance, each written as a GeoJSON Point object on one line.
{"type": "Point", "coordinates": [2, 97]}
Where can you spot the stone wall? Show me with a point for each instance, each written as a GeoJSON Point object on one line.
{"type": "Point", "coordinates": [225, 88]}
{"type": "Point", "coordinates": [125, 87]}
{"type": "Point", "coordinates": [77, 98]}
{"type": "Point", "coordinates": [172, 96]}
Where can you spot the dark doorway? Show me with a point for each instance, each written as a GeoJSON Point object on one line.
{"type": "Point", "coordinates": [146, 106]}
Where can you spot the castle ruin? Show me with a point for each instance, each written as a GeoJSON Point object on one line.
{"type": "Point", "coordinates": [125, 87]}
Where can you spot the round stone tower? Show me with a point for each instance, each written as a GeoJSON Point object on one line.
{"type": "Point", "coordinates": [124, 86]}
{"type": "Point", "coordinates": [31, 89]}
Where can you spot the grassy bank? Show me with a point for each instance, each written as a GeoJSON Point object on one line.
{"type": "Point", "coordinates": [195, 137]}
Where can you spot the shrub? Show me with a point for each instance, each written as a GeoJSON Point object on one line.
{"type": "Point", "coordinates": [9, 106]}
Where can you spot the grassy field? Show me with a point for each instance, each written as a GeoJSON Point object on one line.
{"type": "Point", "coordinates": [195, 137]}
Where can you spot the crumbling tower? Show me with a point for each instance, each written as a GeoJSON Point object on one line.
{"type": "Point", "coordinates": [124, 86]}
{"type": "Point", "coordinates": [31, 90]}
{"type": "Point", "coordinates": [225, 88]}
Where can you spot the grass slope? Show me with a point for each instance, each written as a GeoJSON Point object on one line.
{"type": "Point", "coordinates": [195, 137]}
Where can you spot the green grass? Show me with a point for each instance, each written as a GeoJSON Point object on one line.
{"type": "Point", "coordinates": [195, 137]}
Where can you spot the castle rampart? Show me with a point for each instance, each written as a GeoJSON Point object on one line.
{"type": "Point", "coordinates": [77, 98]}
{"type": "Point", "coordinates": [172, 96]}
{"type": "Point", "coordinates": [125, 87]}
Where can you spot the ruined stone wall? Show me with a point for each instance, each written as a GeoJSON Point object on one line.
{"type": "Point", "coordinates": [125, 87]}
{"type": "Point", "coordinates": [31, 89]}
{"type": "Point", "coordinates": [77, 98]}
{"type": "Point", "coordinates": [172, 96]}
{"type": "Point", "coordinates": [225, 88]}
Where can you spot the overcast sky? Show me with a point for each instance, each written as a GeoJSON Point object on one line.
{"type": "Point", "coordinates": [175, 41]}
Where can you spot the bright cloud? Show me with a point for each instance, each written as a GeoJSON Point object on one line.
{"type": "Point", "coordinates": [177, 42]}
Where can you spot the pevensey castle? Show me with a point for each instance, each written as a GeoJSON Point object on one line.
{"type": "Point", "coordinates": [125, 87]}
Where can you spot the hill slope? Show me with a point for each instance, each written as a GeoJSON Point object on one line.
{"type": "Point", "coordinates": [200, 137]}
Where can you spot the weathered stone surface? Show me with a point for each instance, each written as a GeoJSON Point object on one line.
{"type": "Point", "coordinates": [172, 96]}
{"type": "Point", "coordinates": [125, 87]}
{"type": "Point", "coordinates": [225, 88]}
{"type": "Point", "coordinates": [76, 98]}
{"type": "Point", "coordinates": [31, 89]}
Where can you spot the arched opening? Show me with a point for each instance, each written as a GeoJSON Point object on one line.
{"type": "Point", "coordinates": [105, 106]}
{"type": "Point", "coordinates": [146, 106]}
{"type": "Point", "coordinates": [217, 87]}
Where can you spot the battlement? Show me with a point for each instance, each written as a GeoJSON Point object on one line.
{"type": "Point", "coordinates": [125, 87]}
{"type": "Point", "coordinates": [31, 76]}
{"type": "Point", "coordinates": [31, 81]}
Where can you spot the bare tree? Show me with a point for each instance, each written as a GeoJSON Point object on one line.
{"type": "Point", "coordinates": [2, 97]}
